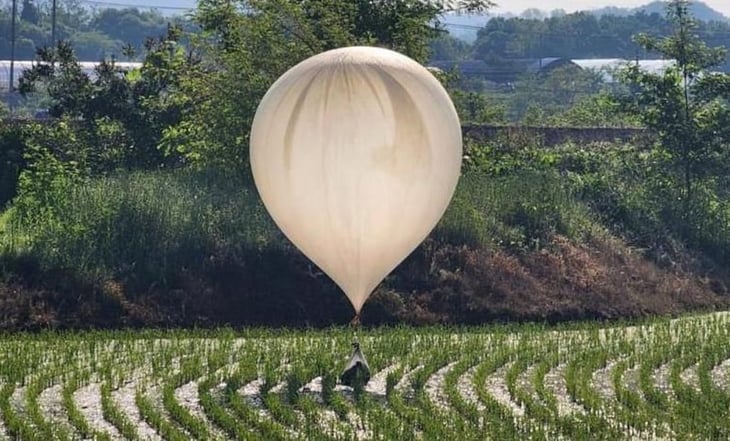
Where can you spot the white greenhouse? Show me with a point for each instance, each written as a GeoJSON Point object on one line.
{"type": "Point", "coordinates": [21, 65]}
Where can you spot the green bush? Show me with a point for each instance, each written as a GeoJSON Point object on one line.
{"type": "Point", "coordinates": [630, 191]}
{"type": "Point", "coordinates": [520, 209]}
{"type": "Point", "coordinates": [520, 193]}
{"type": "Point", "coordinates": [11, 160]}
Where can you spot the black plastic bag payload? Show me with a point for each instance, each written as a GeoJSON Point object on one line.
{"type": "Point", "coordinates": [356, 370]}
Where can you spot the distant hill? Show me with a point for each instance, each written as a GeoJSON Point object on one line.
{"type": "Point", "coordinates": [465, 27]}
{"type": "Point", "coordinates": [700, 10]}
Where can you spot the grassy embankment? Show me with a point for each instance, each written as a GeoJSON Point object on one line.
{"type": "Point", "coordinates": [568, 233]}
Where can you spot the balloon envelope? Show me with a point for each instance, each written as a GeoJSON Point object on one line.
{"type": "Point", "coordinates": [356, 153]}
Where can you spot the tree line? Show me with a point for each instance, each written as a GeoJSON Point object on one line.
{"type": "Point", "coordinates": [95, 33]}
{"type": "Point", "coordinates": [579, 35]}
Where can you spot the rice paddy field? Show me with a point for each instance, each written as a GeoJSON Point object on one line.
{"type": "Point", "coordinates": [663, 379]}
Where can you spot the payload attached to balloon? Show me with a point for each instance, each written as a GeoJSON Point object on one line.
{"type": "Point", "coordinates": [356, 153]}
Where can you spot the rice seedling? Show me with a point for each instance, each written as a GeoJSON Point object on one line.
{"type": "Point", "coordinates": [657, 379]}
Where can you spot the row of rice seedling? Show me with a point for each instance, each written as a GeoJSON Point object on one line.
{"type": "Point", "coordinates": [660, 379]}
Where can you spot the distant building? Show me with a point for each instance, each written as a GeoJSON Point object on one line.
{"type": "Point", "coordinates": [546, 65]}
{"type": "Point", "coordinates": [19, 66]}
{"type": "Point", "coordinates": [608, 67]}
{"type": "Point", "coordinates": [495, 75]}
{"type": "Point", "coordinates": [509, 71]}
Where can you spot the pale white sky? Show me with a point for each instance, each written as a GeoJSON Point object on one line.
{"type": "Point", "coordinates": [513, 6]}
{"type": "Point", "coordinates": [517, 6]}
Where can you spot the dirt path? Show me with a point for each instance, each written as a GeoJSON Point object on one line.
{"type": "Point", "coordinates": [88, 401]}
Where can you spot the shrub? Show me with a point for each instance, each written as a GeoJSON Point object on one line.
{"type": "Point", "coordinates": [521, 209]}
{"type": "Point", "coordinates": [11, 160]}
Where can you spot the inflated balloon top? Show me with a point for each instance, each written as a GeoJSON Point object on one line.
{"type": "Point", "coordinates": [356, 153]}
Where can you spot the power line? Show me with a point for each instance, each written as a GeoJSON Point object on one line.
{"type": "Point", "coordinates": [12, 43]}
{"type": "Point", "coordinates": [132, 5]}
{"type": "Point", "coordinates": [462, 26]}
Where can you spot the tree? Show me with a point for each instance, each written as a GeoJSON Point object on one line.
{"type": "Point", "coordinates": [686, 106]}
{"type": "Point", "coordinates": [447, 47]}
{"type": "Point", "coordinates": [119, 116]}
{"type": "Point", "coordinates": [11, 160]}
{"type": "Point", "coordinates": [248, 45]}
{"type": "Point", "coordinates": [129, 25]}
{"type": "Point", "coordinates": [30, 12]}
{"type": "Point", "coordinates": [582, 35]}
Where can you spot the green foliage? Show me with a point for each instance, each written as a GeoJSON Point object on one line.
{"type": "Point", "coordinates": [477, 108]}
{"type": "Point", "coordinates": [571, 189]}
{"type": "Point", "coordinates": [139, 227]}
{"type": "Point", "coordinates": [556, 91]}
{"type": "Point", "coordinates": [521, 210]}
{"type": "Point", "coordinates": [632, 195]}
{"type": "Point", "coordinates": [582, 35]}
{"type": "Point", "coordinates": [247, 49]}
{"type": "Point", "coordinates": [687, 106]}
{"type": "Point", "coordinates": [95, 34]}
{"type": "Point", "coordinates": [597, 110]}
{"type": "Point", "coordinates": [447, 47]}
{"type": "Point", "coordinates": [146, 227]}
{"type": "Point", "coordinates": [11, 161]}
{"type": "Point", "coordinates": [472, 106]}
{"type": "Point", "coordinates": [122, 114]}
{"type": "Point", "coordinates": [54, 165]}
{"type": "Point", "coordinates": [129, 25]}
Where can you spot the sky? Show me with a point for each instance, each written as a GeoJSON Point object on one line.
{"type": "Point", "coordinates": [517, 6]}
{"type": "Point", "coordinates": [503, 6]}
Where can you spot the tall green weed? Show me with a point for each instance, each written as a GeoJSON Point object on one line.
{"type": "Point", "coordinates": [518, 210]}
{"type": "Point", "coordinates": [144, 225]}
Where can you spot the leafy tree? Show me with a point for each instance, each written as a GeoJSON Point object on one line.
{"type": "Point", "coordinates": [119, 115]}
{"type": "Point", "coordinates": [477, 108]}
{"type": "Point", "coordinates": [686, 106]}
{"type": "Point", "coordinates": [54, 161]}
{"type": "Point", "coordinates": [247, 46]}
{"type": "Point", "coordinates": [11, 160]}
{"type": "Point", "coordinates": [129, 25]}
{"type": "Point", "coordinates": [446, 47]}
{"type": "Point", "coordinates": [582, 35]}
{"type": "Point", "coordinates": [30, 12]}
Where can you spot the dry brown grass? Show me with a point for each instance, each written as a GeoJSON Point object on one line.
{"type": "Point", "coordinates": [602, 278]}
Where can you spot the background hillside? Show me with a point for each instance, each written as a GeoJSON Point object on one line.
{"type": "Point", "coordinates": [466, 26]}
{"type": "Point", "coordinates": [701, 11]}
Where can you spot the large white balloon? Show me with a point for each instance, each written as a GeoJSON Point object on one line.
{"type": "Point", "coordinates": [356, 153]}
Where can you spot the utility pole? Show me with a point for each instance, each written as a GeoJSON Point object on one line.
{"type": "Point", "coordinates": [12, 44]}
{"type": "Point", "coordinates": [53, 25]}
